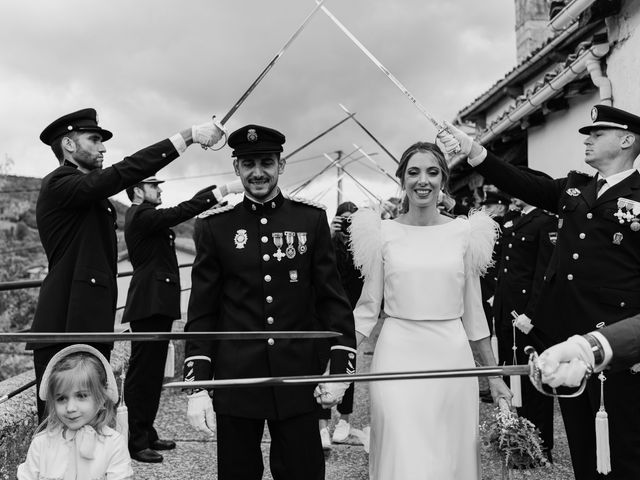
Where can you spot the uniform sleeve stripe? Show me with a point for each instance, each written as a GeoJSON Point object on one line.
{"type": "Point", "coordinates": [342, 347]}
{"type": "Point", "coordinates": [198, 357]}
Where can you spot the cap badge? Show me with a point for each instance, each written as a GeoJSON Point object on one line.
{"type": "Point", "coordinates": [574, 192]}
{"type": "Point", "coordinates": [594, 114]}
{"type": "Point", "coordinates": [508, 224]}
{"type": "Point", "coordinates": [240, 239]}
{"type": "Point", "coordinates": [252, 135]}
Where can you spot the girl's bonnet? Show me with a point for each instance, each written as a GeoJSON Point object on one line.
{"type": "Point", "coordinates": [112, 389]}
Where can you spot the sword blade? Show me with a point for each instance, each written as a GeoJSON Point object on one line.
{"type": "Point", "coordinates": [80, 337]}
{"type": "Point", "coordinates": [362, 377]}
{"type": "Point", "coordinates": [271, 64]}
{"type": "Point", "coordinates": [352, 115]}
{"type": "Point", "coordinates": [379, 64]}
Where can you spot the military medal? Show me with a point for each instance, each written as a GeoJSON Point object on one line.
{"type": "Point", "coordinates": [628, 212]}
{"type": "Point", "coordinates": [560, 222]}
{"type": "Point", "coordinates": [617, 238]}
{"type": "Point", "coordinates": [293, 276]}
{"type": "Point", "coordinates": [302, 242]}
{"type": "Point", "coordinates": [290, 250]}
{"type": "Point", "coordinates": [277, 241]}
{"type": "Point", "coordinates": [240, 239]}
{"type": "Point", "coordinates": [574, 192]}
{"type": "Point", "coordinates": [553, 237]}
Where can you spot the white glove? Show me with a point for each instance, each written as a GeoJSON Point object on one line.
{"type": "Point", "coordinates": [523, 323]}
{"type": "Point", "coordinates": [207, 134]}
{"type": "Point", "coordinates": [566, 363]}
{"type": "Point", "coordinates": [330, 394]}
{"type": "Point", "coordinates": [200, 412]}
{"type": "Point", "coordinates": [232, 187]}
{"type": "Point", "coordinates": [455, 139]}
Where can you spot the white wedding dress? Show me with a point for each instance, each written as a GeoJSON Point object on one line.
{"type": "Point", "coordinates": [429, 280]}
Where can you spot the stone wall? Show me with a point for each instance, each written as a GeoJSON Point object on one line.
{"type": "Point", "coordinates": [18, 421]}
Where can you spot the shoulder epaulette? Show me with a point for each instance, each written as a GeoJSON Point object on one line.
{"type": "Point", "coordinates": [576, 172]}
{"type": "Point", "coordinates": [215, 211]}
{"type": "Point", "coordinates": [306, 201]}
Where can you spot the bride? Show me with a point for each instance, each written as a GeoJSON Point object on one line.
{"type": "Point", "coordinates": [426, 267]}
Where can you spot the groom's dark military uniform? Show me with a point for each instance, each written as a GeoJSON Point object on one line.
{"type": "Point", "coordinates": [267, 267]}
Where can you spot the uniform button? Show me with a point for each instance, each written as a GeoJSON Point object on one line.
{"type": "Point", "coordinates": [524, 291]}
{"type": "Point", "coordinates": [523, 239]}
{"type": "Point", "coordinates": [208, 200]}
{"type": "Point", "coordinates": [93, 280]}
{"type": "Point", "coordinates": [273, 204]}
{"type": "Point", "coordinates": [263, 221]}
{"type": "Point", "coordinates": [622, 304]}
{"type": "Point", "coordinates": [589, 215]}
{"type": "Point", "coordinates": [267, 278]}
{"type": "Point", "coordinates": [253, 207]}
{"type": "Point", "coordinates": [505, 270]}
{"type": "Point", "coordinates": [570, 277]}
{"type": "Point", "coordinates": [270, 320]}
{"type": "Point", "coordinates": [269, 299]}
{"type": "Point", "coordinates": [264, 239]}
{"type": "Point", "coordinates": [271, 341]}
{"type": "Point", "coordinates": [513, 234]}
{"type": "Point", "coordinates": [582, 236]}
{"type": "Point", "coordinates": [510, 245]}
{"type": "Point", "coordinates": [109, 209]}
{"type": "Point", "coordinates": [575, 256]}
{"type": "Point", "coordinates": [265, 257]}
{"type": "Point", "coordinates": [507, 257]}
{"type": "Point", "coordinates": [164, 155]}
{"type": "Point", "coordinates": [167, 280]}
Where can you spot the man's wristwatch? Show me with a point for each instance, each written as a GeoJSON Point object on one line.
{"type": "Point", "coordinates": [596, 348]}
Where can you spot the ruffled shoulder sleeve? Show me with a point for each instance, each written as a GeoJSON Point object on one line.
{"type": "Point", "coordinates": [365, 239]}
{"type": "Point", "coordinates": [483, 233]}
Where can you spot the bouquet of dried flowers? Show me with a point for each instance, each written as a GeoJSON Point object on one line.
{"type": "Point", "coordinates": [515, 439]}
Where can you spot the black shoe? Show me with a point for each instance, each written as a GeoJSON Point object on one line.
{"type": "Point", "coordinates": [147, 456]}
{"type": "Point", "coordinates": [163, 445]}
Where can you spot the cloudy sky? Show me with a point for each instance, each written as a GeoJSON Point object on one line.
{"type": "Point", "coordinates": [153, 67]}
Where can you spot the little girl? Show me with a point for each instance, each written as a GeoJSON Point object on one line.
{"type": "Point", "coordinates": [77, 439]}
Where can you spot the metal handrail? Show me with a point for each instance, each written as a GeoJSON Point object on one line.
{"type": "Point", "coordinates": [20, 284]}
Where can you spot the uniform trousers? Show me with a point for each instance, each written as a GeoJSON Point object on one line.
{"type": "Point", "coordinates": [143, 383]}
{"type": "Point", "coordinates": [622, 402]}
{"type": "Point", "coordinates": [41, 358]}
{"type": "Point", "coordinates": [296, 451]}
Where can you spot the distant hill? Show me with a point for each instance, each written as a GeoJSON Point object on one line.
{"type": "Point", "coordinates": [18, 196]}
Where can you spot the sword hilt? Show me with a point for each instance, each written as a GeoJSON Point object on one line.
{"type": "Point", "coordinates": [536, 378]}
{"type": "Point", "coordinates": [220, 125]}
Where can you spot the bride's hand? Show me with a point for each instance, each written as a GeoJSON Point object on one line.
{"type": "Point", "coordinates": [499, 389]}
